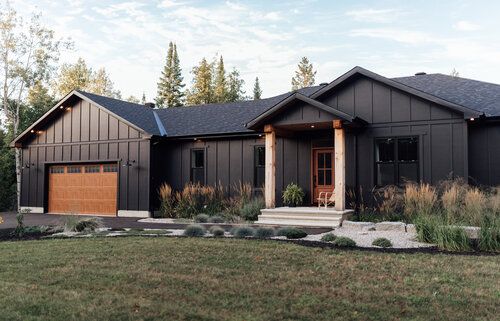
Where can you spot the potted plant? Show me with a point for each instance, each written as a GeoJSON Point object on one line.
{"type": "Point", "coordinates": [293, 195]}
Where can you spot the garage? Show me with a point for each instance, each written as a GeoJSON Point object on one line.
{"type": "Point", "coordinates": [83, 189]}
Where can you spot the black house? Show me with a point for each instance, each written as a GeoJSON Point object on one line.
{"type": "Point", "coordinates": [97, 155]}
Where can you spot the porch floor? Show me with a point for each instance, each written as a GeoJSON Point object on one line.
{"type": "Point", "coordinates": [302, 216]}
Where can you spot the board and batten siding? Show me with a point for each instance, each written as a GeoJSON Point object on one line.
{"type": "Point", "coordinates": [484, 153]}
{"type": "Point", "coordinates": [391, 112]}
{"type": "Point", "coordinates": [231, 160]}
{"type": "Point", "coordinates": [85, 133]}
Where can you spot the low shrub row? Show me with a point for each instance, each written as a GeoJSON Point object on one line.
{"type": "Point", "coordinates": [196, 230]}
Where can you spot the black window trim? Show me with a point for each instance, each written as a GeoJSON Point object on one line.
{"type": "Point", "coordinates": [191, 152]}
{"type": "Point", "coordinates": [255, 166]}
{"type": "Point", "coordinates": [418, 136]}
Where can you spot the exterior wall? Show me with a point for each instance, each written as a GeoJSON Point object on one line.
{"type": "Point", "coordinates": [390, 112]}
{"type": "Point", "coordinates": [484, 153]}
{"type": "Point", "coordinates": [84, 134]}
{"type": "Point", "coordinates": [231, 160]}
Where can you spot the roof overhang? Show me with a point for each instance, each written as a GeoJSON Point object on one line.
{"type": "Point", "coordinates": [265, 117]}
{"type": "Point", "coordinates": [356, 71]}
{"type": "Point", "coordinates": [17, 142]}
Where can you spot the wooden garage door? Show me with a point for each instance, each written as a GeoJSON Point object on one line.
{"type": "Point", "coordinates": [83, 189]}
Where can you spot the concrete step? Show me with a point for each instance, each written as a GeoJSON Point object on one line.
{"type": "Point", "coordinates": [301, 217]}
{"type": "Point", "coordinates": [288, 222]}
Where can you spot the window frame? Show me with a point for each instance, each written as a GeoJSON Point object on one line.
{"type": "Point", "coordinates": [192, 164]}
{"type": "Point", "coordinates": [256, 166]}
{"type": "Point", "coordinates": [396, 161]}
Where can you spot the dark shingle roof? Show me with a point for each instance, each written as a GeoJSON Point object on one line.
{"type": "Point", "coordinates": [480, 96]}
{"type": "Point", "coordinates": [139, 115]}
{"type": "Point", "coordinates": [218, 118]}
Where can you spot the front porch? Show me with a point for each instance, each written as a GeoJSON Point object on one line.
{"type": "Point", "coordinates": [292, 118]}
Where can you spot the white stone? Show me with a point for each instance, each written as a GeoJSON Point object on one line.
{"type": "Point", "coordinates": [391, 226]}
{"type": "Point", "coordinates": [410, 228]}
{"type": "Point", "coordinates": [124, 213]}
{"type": "Point", "coordinates": [358, 226]}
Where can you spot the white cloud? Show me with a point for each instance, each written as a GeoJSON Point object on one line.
{"type": "Point", "coordinates": [374, 15]}
{"type": "Point", "coordinates": [398, 35]}
{"type": "Point", "coordinates": [464, 25]}
{"type": "Point", "coordinates": [170, 4]}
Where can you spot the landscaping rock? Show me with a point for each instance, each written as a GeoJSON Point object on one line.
{"type": "Point", "coordinates": [359, 226]}
{"type": "Point", "coordinates": [391, 226]}
{"type": "Point", "coordinates": [410, 228]}
{"type": "Point", "coordinates": [472, 231]}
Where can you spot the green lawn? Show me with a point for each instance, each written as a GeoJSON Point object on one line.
{"type": "Point", "coordinates": [222, 279]}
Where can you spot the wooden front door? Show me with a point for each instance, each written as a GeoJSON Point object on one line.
{"type": "Point", "coordinates": [83, 189]}
{"type": "Point", "coordinates": [323, 171]}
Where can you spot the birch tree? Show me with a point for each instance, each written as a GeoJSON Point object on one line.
{"type": "Point", "coordinates": [28, 54]}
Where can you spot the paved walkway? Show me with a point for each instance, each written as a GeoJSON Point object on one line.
{"type": "Point", "coordinates": [111, 222]}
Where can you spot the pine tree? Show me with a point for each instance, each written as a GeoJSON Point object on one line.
{"type": "Point", "coordinates": [304, 76]}
{"type": "Point", "coordinates": [235, 84]}
{"type": "Point", "coordinates": [202, 91]}
{"type": "Point", "coordinates": [454, 73]}
{"type": "Point", "coordinates": [257, 91]}
{"type": "Point", "coordinates": [170, 85]}
{"type": "Point", "coordinates": [220, 84]}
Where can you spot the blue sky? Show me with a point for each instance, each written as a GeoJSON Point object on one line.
{"type": "Point", "coordinates": [267, 38]}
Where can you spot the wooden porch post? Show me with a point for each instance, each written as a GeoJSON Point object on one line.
{"type": "Point", "coordinates": [339, 145]}
{"type": "Point", "coordinates": [270, 177]}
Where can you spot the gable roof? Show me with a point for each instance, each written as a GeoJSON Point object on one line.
{"type": "Point", "coordinates": [296, 96]}
{"type": "Point", "coordinates": [467, 111]}
{"type": "Point", "coordinates": [212, 119]}
{"type": "Point", "coordinates": [471, 97]}
{"type": "Point", "coordinates": [478, 95]}
{"type": "Point", "coordinates": [138, 115]}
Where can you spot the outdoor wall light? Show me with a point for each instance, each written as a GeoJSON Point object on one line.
{"type": "Point", "coordinates": [129, 163]}
{"type": "Point", "coordinates": [27, 165]}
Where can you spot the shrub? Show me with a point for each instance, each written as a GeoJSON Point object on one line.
{"type": "Point", "coordinates": [19, 230]}
{"type": "Point", "coordinates": [329, 237]}
{"type": "Point", "coordinates": [382, 242]}
{"type": "Point", "coordinates": [475, 206]}
{"type": "Point", "coordinates": [243, 231]}
{"type": "Point", "coordinates": [489, 235]}
{"type": "Point", "coordinates": [201, 218]}
{"type": "Point", "coordinates": [264, 232]}
{"type": "Point", "coordinates": [195, 199]}
{"type": "Point", "coordinates": [87, 224]}
{"type": "Point", "coordinates": [217, 231]}
{"type": "Point", "coordinates": [291, 232]}
{"type": "Point", "coordinates": [243, 193]}
{"type": "Point", "coordinates": [390, 200]}
{"type": "Point", "coordinates": [419, 200]}
{"type": "Point", "coordinates": [216, 219]}
{"type": "Point", "coordinates": [167, 208]}
{"type": "Point", "coordinates": [293, 195]}
{"type": "Point", "coordinates": [451, 238]}
{"type": "Point", "coordinates": [452, 200]}
{"type": "Point", "coordinates": [425, 227]}
{"type": "Point", "coordinates": [251, 210]}
{"type": "Point", "coordinates": [344, 241]}
{"type": "Point", "coordinates": [194, 230]}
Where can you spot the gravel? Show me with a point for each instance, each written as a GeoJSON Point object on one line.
{"type": "Point", "coordinates": [399, 239]}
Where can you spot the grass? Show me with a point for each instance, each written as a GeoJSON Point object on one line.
{"type": "Point", "coordinates": [230, 279]}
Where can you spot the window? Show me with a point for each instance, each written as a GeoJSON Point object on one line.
{"type": "Point", "coordinates": [198, 166]}
{"type": "Point", "coordinates": [259, 171]}
{"type": "Point", "coordinates": [92, 169]}
{"type": "Point", "coordinates": [396, 160]}
{"type": "Point", "coordinates": [57, 170]}
{"type": "Point", "coordinates": [74, 169]}
{"type": "Point", "coordinates": [110, 168]}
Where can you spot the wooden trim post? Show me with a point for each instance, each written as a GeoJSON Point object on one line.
{"type": "Point", "coordinates": [270, 177]}
{"type": "Point", "coordinates": [339, 145]}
